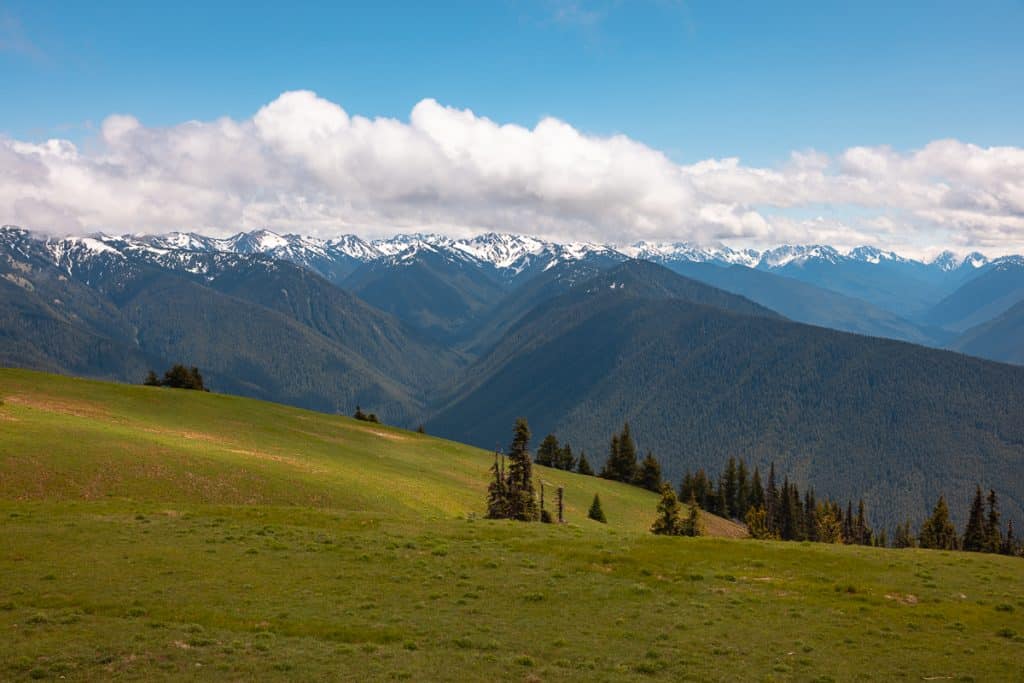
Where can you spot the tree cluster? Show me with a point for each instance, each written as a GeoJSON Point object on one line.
{"type": "Point", "coordinates": [983, 533]}
{"type": "Point", "coordinates": [178, 377]}
{"type": "Point", "coordinates": [774, 511]}
{"type": "Point", "coordinates": [622, 464]}
{"type": "Point", "coordinates": [511, 494]}
{"type": "Point", "coordinates": [366, 417]}
{"type": "Point", "coordinates": [670, 520]}
{"type": "Point", "coordinates": [551, 454]}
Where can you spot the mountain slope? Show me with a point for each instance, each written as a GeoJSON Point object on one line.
{"type": "Point", "coordinates": [851, 415]}
{"type": "Point", "coordinates": [995, 290]}
{"type": "Point", "coordinates": [806, 303]}
{"type": "Point", "coordinates": [1000, 339]}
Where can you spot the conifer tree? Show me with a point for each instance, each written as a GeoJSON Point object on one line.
{"type": "Point", "coordinates": [565, 461]}
{"type": "Point", "coordinates": [649, 475]}
{"type": "Point", "coordinates": [771, 500]}
{"type": "Point", "coordinates": [903, 538]}
{"type": "Point", "coordinates": [937, 532]}
{"type": "Point", "coordinates": [686, 487]}
{"type": "Point", "coordinates": [583, 465]}
{"type": "Point", "coordinates": [742, 489]}
{"type": "Point", "coordinates": [849, 535]}
{"type": "Point", "coordinates": [729, 485]}
{"type": "Point", "coordinates": [627, 454]}
{"type": "Point", "coordinates": [497, 494]}
{"type": "Point", "coordinates": [608, 471]}
{"type": "Point", "coordinates": [862, 531]}
{"type": "Point", "coordinates": [596, 513]}
{"type": "Point", "coordinates": [810, 516]}
{"type": "Point", "coordinates": [151, 379]}
{"type": "Point", "coordinates": [521, 495]}
{"type": "Point", "coordinates": [359, 414]}
{"type": "Point", "coordinates": [993, 527]}
{"type": "Point", "coordinates": [667, 522]}
{"type": "Point", "coordinates": [756, 490]}
{"type": "Point", "coordinates": [548, 451]}
{"type": "Point", "coordinates": [974, 533]}
{"type": "Point", "coordinates": [1010, 542]}
{"type": "Point", "coordinates": [693, 525]}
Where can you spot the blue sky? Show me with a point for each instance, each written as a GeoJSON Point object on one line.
{"type": "Point", "coordinates": [695, 79]}
{"type": "Point", "coordinates": [896, 124]}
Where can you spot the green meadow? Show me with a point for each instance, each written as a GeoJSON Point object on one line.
{"type": "Point", "coordinates": [150, 533]}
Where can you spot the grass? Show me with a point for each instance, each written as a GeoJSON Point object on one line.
{"type": "Point", "coordinates": [151, 534]}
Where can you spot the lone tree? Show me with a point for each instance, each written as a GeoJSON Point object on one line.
{"type": "Point", "coordinates": [596, 513]}
{"type": "Point", "coordinates": [937, 532]}
{"type": "Point", "coordinates": [667, 522]}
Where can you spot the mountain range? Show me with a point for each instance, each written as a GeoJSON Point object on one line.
{"type": "Point", "coordinates": [707, 352]}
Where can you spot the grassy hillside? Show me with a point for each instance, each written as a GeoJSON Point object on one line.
{"type": "Point", "coordinates": [160, 534]}
{"type": "Point", "coordinates": [73, 439]}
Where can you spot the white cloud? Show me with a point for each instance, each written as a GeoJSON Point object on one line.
{"type": "Point", "coordinates": [303, 164]}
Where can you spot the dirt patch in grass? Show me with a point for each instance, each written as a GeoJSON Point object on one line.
{"type": "Point", "coordinates": [901, 598]}
{"type": "Point", "coordinates": [58, 405]}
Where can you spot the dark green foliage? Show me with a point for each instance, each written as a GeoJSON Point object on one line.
{"type": "Point", "coordinates": [1010, 541]}
{"type": "Point", "coordinates": [904, 537]}
{"type": "Point", "coordinates": [621, 464]}
{"type": "Point", "coordinates": [730, 488]}
{"type": "Point", "coordinates": [756, 490]}
{"type": "Point", "coordinates": [565, 459]}
{"type": "Point", "coordinates": [649, 474]}
{"type": "Point", "coordinates": [421, 429]}
{"type": "Point", "coordinates": [595, 512]}
{"type": "Point", "coordinates": [862, 532]}
{"type": "Point", "coordinates": [583, 466]}
{"type": "Point", "coordinates": [548, 452]}
{"type": "Point", "coordinates": [937, 532]}
{"type": "Point", "coordinates": [667, 522]}
{"type": "Point", "coordinates": [756, 520]}
{"type": "Point", "coordinates": [974, 535]}
{"type": "Point", "coordinates": [993, 527]}
{"type": "Point", "coordinates": [365, 417]}
{"type": "Point", "coordinates": [178, 377]}
{"type": "Point", "coordinates": [497, 491]}
{"type": "Point", "coordinates": [545, 517]}
{"type": "Point", "coordinates": [522, 499]}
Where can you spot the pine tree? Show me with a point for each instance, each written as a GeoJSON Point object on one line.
{"type": "Point", "coordinates": [608, 471]}
{"type": "Point", "coordinates": [903, 538]}
{"type": "Point", "coordinates": [1009, 543]}
{"type": "Point", "coordinates": [667, 523]}
{"type": "Point", "coordinates": [742, 489]}
{"type": "Point", "coordinates": [974, 533]}
{"type": "Point", "coordinates": [810, 516]}
{"type": "Point", "coordinates": [693, 525]}
{"type": "Point", "coordinates": [993, 527]}
{"type": "Point", "coordinates": [937, 532]}
{"type": "Point", "coordinates": [649, 475]}
{"type": "Point", "coordinates": [596, 513]}
{"type": "Point", "coordinates": [521, 496]}
{"type": "Point", "coordinates": [771, 501]}
{"type": "Point", "coordinates": [862, 531]}
{"type": "Point", "coordinates": [849, 535]}
{"type": "Point", "coordinates": [566, 461]}
{"type": "Point", "coordinates": [497, 494]}
{"type": "Point", "coordinates": [548, 451]}
{"type": "Point", "coordinates": [151, 379]}
{"type": "Point", "coordinates": [730, 486]}
{"type": "Point", "coordinates": [756, 490]}
{"type": "Point", "coordinates": [627, 454]}
{"type": "Point", "coordinates": [686, 487]}
{"type": "Point", "coordinates": [583, 465]}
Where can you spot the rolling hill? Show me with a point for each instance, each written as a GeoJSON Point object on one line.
{"type": "Point", "coordinates": [981, 299]}
{"type": "Point", "coordinates": [701, 379]}
{"type": "Point", "coordinates": [158, 534]}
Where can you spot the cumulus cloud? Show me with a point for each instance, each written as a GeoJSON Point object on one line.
{"type": "Point", "coordinates": [304, 164]}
